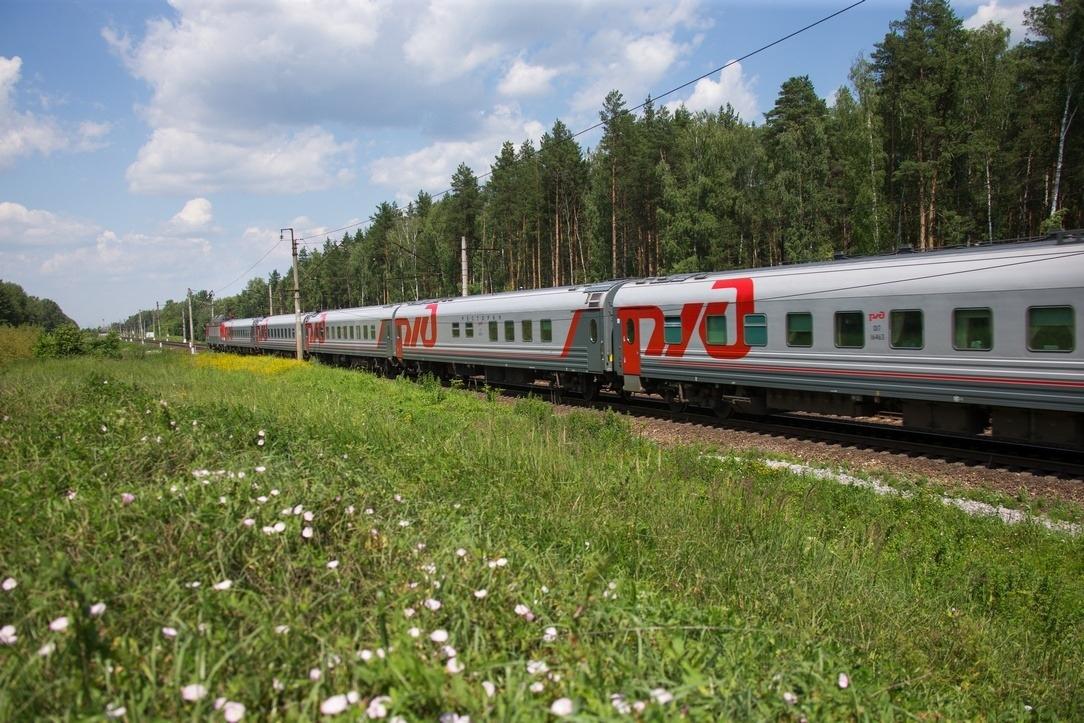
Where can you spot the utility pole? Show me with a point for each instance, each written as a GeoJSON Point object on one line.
{"type": "Point", "coordinates": [463, 261]}
{"type": "Point", "coordinates": [142, 333]}
{"type": "Point", "coordinates": [184, 329]}
{"type": "Point", "coordinates": [191, 328]}
{"type": "Point", "coordinates": [157, 322]}
{"type": "Point", "coordinates": [212, 306]}
{"type": "Point", "coordinates": [297, 294]}
{"type": "Point", "coordinates": [270, 303]}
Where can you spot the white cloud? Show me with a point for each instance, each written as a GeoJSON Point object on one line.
{"type": "Point", "coordinates": [731, 87]}
{"type": "Point", "coordinates": [1011, 15]}
{"type": "Point", "coordinates": [431, 167]}
{"type": "Point", "coordinates": [22, 133]}
{"type": "Point", "coordinates": [196, 213]}
{"type": "Point", "coordinates": [152, 254]}
{"type": "Point", "coordinates": [176, 160]}
{"type": "Point", "coordinates": [524, 79]}
{"type": "Point", "coordinates": [21, 226]}
{"type": "Point", "coordinates": [633, 64]}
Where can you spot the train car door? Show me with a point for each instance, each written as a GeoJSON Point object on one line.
{"type": "Point", "coordinates": [596, 352]}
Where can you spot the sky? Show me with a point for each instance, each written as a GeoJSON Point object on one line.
{"type": "Point", "coordinates": [147, 147]}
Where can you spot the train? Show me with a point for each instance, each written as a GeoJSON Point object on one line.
{"type": "Point", "coordinates": [978, 340]}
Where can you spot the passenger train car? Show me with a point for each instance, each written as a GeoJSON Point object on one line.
{"type": "Point", "coordinates": [957, 340]}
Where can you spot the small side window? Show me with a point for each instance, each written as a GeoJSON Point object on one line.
{"type": "Point", "coordinates": [527, 330]}
{"type": "Point", "coordinates": [493, 331]}
{"type": "Point", "coordinates": [716, 330]}
{"type": "Point", "coordinates": [850, 330]}
{"type": "Point", "coordinates": [1050, 328]}
{"type": "Point", "coordinates": [672, 329]}
{"type": "Point", "coordinates": [469, 329]}
{"type": "Point", "coordinates": [906, 329]}
{"type": "Point", "coordinates": [545, 330]}
{"type": "Point", "coordinates": [972, 329]}
{"type": "Point", "coordinates": [455, 329]}
{"type": "Point", "coordinates": [592, 333]}
{"type": "Point", "coordinates": [756, 330]}
{"type": "Point", "coordinates": [365, 332]}
{"type": "Point", "coordinates": [630, 331]}
{"type": "Point", "coordinates": [509, 331]}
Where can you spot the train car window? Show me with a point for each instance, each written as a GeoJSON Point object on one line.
{"type": "Point", "coordinates": [672, 329]}
{"type": "Point", "coordinates": [509, 331]}
{"type": "Point", "coordinates": [372, 331]}
{"type": "Point", "coordinates": [545, 328]}
{"type": "Point", "coordinates": [906, 329]}
{"type": "Point", "coordinates": [365, 332]}
{"type": "Point", "coordinates": [717, 330]}
{"type": "Point", "coordinates": [850, 330]}
{"type": "Point", "coordinates": [973, 329]}
{"type": "Point", "coordinates": [455, 330]}
{"type": "Point", "coordinates": [1050, 328]}
{"type": "Point", "coordinates": [527, 330]}
{"type": "Point", "coordinates": [593, 331]}
{"type": "Point", "coordinates": [756, 330]}
{"type": "Point", "coordinates": [469, 329]}
{"type": "Point", "coordinates": [630, 331]}
{"type": "Point", "coordinates": [493, 331]}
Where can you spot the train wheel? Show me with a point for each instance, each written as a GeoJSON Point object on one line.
{"type": "Point", "coordinates": [723, 409]}
{"type": "Point", "coordinates": [674, 402]}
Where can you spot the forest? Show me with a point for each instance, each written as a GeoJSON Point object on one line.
{"type": "Point", "coordinates": [944, 136]}
{"type": "Point", "coordinates": [17, 308]}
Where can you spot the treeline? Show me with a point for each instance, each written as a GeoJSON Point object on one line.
{"type": "Point", "coordinates": [944, 136]}
{"type": "Point", "coordinates": [17, 308]}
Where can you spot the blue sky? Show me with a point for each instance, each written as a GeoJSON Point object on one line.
{"type": "Point", "coordinates": [146, 147]}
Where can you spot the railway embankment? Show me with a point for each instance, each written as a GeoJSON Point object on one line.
{"type": "Point", "coordinates": [181, 534]}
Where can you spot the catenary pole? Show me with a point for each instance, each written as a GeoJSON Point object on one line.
{"type": "Point", "coordinates": [297, 294]}
{"type": "Point", "coordinates": [463, 261]}
{"type": "Point", "coordinates": [191, 327]}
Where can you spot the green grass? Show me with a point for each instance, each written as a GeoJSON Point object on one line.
{"type": "Point", "coordinates": [724, 583]}
{"type": "Point", "coordinates": [17, 342]}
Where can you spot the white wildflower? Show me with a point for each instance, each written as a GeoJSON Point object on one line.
{"type": "Point", "coordinates": [248, 522]}
{"type": "Point", "coordinates": [433, 604]}
{"type": "Point", "coordinates": [537, 667]}
{"type": "Point", "coordinates": [489, 688]}
{"type": "Point", "coordinates": [315, 674]}
{"type": "Point", "coordinates": [412, 632]}
{"type": "Point", "coordinates": [193, 692]}
{"type": "Point", "coordinates": [334, 705]}
{"type": "Point", "coordinates": [46, 650]}
{"type": "Point", "coordinates": [169, 632]}
{"type": "Point", "coordinates": [115, 711]}
{"type": "Point", "coordinates": [223, 585]}
{"type": "Point", "coordinates": [404, 523]}
{"type": "Point", "coordinates": [378, 707]}
{"type": "Point", "coordinates": [279, 526]}
{"type": "Point", "coordinates": [9, 584]}
{"type": "Point", "coordinates": [306, 533]}
{"type": "Point", "coordinates": [562, 707]}
{"type": "Point", "coordinates": [790, 698]}
{"type": "Point", "coordinates": [127, 498]}
{"type": "Point", "coordinates": [480, 593]}
{"type": "Point", "coordinates": [662, 696]}
{"type": "Point", "coordinates": [233, 711]}
{"type": "Point", "coordinates": [308, 516]}
{"type": "Point", "coordinates": [365, 655]}
{"type": "Point", "coordinates": [408, 613]}
{"type": "Point", "coordinates": [843, 681]}
{"type": "Point", "coordinates": [332, 564]}
{"type": "Point", "coordinates": [282, 629]}
{"type": "Point", "coordinates": [439, 636]}
{"type": "Point", "coordinates": [453, 666]}
{"type": "Point", "coordinates": [537, 687]}
{"type": "Point", "coordinates": [60, 624]}
{"type": "Point", "coordinates": [549, 635]}
{"type": "Point", "coordinates": [8, 635]}
{"type": "Point", "coordinates": [620, 704]}
{"type": "Point", "coordinates": [261, 469]}
{"type": "Point", "coordinates": [461, 552]}
{"type": "Point", "coordinates": [97, 609]}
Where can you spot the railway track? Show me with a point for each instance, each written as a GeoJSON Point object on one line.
{"type": "Point", "coordinates": [1056, 462]}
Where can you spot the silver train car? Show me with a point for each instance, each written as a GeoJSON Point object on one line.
{"type": "Point", "coordinates": [956, 340]}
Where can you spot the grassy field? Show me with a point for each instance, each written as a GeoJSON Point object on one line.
{"type": "Point", "coordinates": [186, 534]}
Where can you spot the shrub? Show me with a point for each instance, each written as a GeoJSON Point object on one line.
{"type": "Point", "coordinates": [60, 342]}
